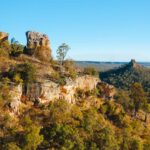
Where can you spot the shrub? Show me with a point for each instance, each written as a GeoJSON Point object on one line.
{"type": "Point", "coordinates": [90, 71]}
{"type": "Point", "coordinates": [56, 77]}
{"type": "Point", "coordinates": [70, 68]}
{"type": "Point", "coordinates": [32, 138]}
{"type": "Point", "coordinates": [16, 49]}
{"type": "Point", "coordinates": [26, 71]}
{"type": "Point", "coordinates": [61, 136]}
{"type": "Point", "coordinates": [106, 140]}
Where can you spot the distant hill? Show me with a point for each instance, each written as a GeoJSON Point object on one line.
{"type": "Point", "coordinates": [105, 66]}
{"type": "Point", "coordinates": [123, 76]}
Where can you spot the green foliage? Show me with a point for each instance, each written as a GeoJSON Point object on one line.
{"type": "Point", "coordinates": [130, 143]}
{"type": "Point", "coordinates": [11, 146]}
{"type": "Point", "coordinates": [17, 79]}
{"type": "Point", "coordinates": [63, 137]}
{"type": "Point", "coordinates": [146, 145]}
{"type": "Point", "coordinates": [26, 72]}
{"type": "Point", "coordinates": [58, 78]}
{"type": "Point", "coordinates": [69, 66]}
{"type": "Point", "coordinates": [138, 96]}
{"type": "Point", "coordinates": [58, 110]}
{"type": "Point", "coordinates": [122, 97]}
{"type": "Point", "coordinates": [113, 112]}
{"type": "Point", "coordinates": [106, 140]}
{"type": "Point", "coordinates": [90, 120]}
{"type": "Point", "coordinates": [90, 71]}
{"type": "Point", "coordinates": [62, 52]}
{"type": "Point", "coordinates": [32, 138]}
{"type": "Point", "coordinates": [16, 49]}
{"type": "Point", "coordinates": [126, 75]}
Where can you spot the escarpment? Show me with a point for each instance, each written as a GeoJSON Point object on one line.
{"type": "Point", "coordinates": [50, 91]}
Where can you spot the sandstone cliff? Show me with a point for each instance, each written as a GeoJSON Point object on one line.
{"type": "Point", "coordinates": [50, 91]}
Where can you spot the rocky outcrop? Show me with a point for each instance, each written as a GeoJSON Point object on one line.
{"type": "Point", "coordinates": [85, 83]}
{"type": "Point", "coordinates": [16, 93]}
{"type": "Point", "coordinates": [50, 91]}
{"type": "Point", "coordinates": [38, 45]}
{"type": "Point", "coordinates": [36, 39]}
{"type": "Point", "coordinates": [134, 64]}
{"type": "Point", "coordinates": [3, 36]}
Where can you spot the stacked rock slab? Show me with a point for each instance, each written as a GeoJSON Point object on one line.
{"type": "Point", "coordinates": [38, 45]}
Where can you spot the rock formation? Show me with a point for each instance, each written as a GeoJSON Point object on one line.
{"type": "Point", "coordinates": [16, 93]}
{"type": "Point", "coordinates": [134, 64]}
{"type": "Point", "coordinates": [3, 36]}
{"type": "Point", "coordinates": [38, 45]}
{"type": "Point", "coordinates": [50, 91]}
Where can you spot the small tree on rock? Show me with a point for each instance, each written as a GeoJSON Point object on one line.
{"type": "Point", "coordinates": [62, 52]}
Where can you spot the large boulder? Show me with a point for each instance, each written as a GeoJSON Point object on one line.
{"type": "Point", "coordinates": [38, 45]}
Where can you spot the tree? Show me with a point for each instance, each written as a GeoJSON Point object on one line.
{"type": "Point", "coordinates": [32, 138]}
{"type": "Point", "coordinates": [122, 97]}
{"type": "Point", "coordinates": [106, 140]}
{"type": "Point", "coordinates": [61, 136]}
{"type": "Point", "coordinates": [26, 71]}
{"type": "Point", "coordinates": [138, 96]}
{"type": "Point", "coordinates": [90, 71]}
{"type": "Point", "coordinates": [16, 49]}
{"type": "Point", "coordinates": [62, 52]}
{"type": "Point", "coordinates": [129, 142]}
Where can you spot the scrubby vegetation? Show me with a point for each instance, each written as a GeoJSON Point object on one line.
{"type": "Point", "coordinates": [90, 71]}
{"type": "Point", "coordinates": [97, 121]}
{"type": "Point", "coordinates": [65, 126]}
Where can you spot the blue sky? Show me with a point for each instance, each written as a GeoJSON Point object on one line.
{"type": "Point", "coordinates": [99, 30]}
